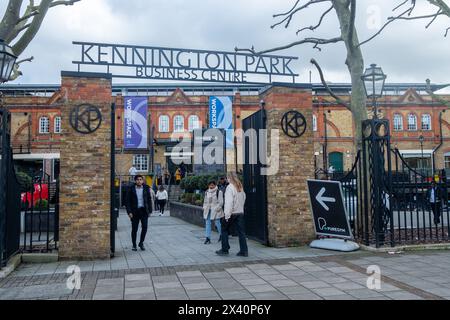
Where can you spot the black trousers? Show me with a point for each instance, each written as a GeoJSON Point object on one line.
{"type": "Point", "coordinates": [238, 222]}
{"type": "Point", "coordinates": [436, 208]}
{"type": "Point", "coordinates": [161, 205]}
{"type": "Point", "coordinates": [142, 217]}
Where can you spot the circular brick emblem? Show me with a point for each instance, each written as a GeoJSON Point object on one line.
{"type": "Point", "coordinates": [85, 118]}
{"type": "Point", "coordinates": [293, 124]}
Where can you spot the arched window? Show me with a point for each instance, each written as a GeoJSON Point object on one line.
{"type": "Point", "coordinates": [178, 124]}
{"type": "Point", "coordinates": [164, 123]}
{"type": "Point", "coordinates": [426, 122]}
{"type": "Point", "coordinates": [194, 123]}
{"type": "Point", "coordinates": [44, 125]}
{"type": "Point", "coordinates": [314, 122]}
{"type": "Point", "coordinates": [412, 122]}
{"type": "Point", "coordinates": [398, 122]}
{"type": "Point", "coordinates": [57, 126]}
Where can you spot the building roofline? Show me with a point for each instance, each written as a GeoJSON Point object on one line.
{"type": "Point", "coordinates": [317, 87]}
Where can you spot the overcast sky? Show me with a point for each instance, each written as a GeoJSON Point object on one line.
{"type": "Point", "coordinates": [406, 51]}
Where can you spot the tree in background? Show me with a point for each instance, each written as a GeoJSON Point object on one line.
{"type": "Point", "coordinates": [346, 11]}
{"type": "Point", "coordinates": [20, 25]}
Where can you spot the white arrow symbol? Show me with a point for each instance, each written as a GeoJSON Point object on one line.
{"type": "Point", "coordinates": [321, 199]}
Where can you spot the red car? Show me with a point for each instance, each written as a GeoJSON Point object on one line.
{"type": "Point", "coordinates": [38, 194]}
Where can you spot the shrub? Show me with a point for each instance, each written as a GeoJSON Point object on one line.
{"type": "Point", "coordinates": [24, 180]}
{"type": "Point", "coordinates": [41, 205]}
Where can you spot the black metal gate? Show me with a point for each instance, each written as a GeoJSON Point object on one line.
{"type": "Point", "coordinates": [39, 214]}
{"type": "Point", "coordinates": [255, 184]}
{"type": "Point", "coordinates": [9, 194]}
{"type": "Point", "coordinates": [114, 213]}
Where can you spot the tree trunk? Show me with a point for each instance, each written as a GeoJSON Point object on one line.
{"type": "Point", "coordinates": [355, 65]}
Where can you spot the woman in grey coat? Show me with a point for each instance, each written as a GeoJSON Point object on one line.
{"type": "Point", "coordinates": [212, 209]}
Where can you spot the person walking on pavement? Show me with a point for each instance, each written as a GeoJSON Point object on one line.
{"type": "Point", "coordinates": [139, 205]}
{"type": "Point", "coordinates": [162, 198]}
{"type": "Point", "coordinates": [178, 176]}
{"type": "Point", "coordinates": [212, 210]}
{"type": "Point", "coordinates": [434, 196]}
{"type": "Point", "coordinates": [234, 215]}
{"type": "Point", "coordinates": [166, 177]}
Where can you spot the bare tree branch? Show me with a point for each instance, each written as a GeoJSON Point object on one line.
{"type": "Point", "coordinates": [385, 26]}
{"type": "Point", "coordinates": [312, 28]}
{"type": "Point", "coordinates": [63, 3]}
{"type": "Point", "coordinates": [9, 20]}
{"type": "Point", "coordinates": [443, 10]}
{"type": "Point", "coordinates": [315, 41]}
{"type": "Point", "coordinates": [290, 14]}
{"type": "Point", "coordinates": [19, 30]}
{"type": "Point", "coordinates": [327, 87]}
{"type": "Point", "coordinates": [435, 96]}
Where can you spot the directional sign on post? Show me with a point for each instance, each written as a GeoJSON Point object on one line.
{"type": "Point", "coordinates": [329, 212]}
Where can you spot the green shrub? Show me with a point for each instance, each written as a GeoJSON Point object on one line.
{"type": "Point", "coordinates": [24, 180]}
{"type": "Point", "coordinates": [198, 203]}
{"type": "Point", "coordinates": [41, 205]}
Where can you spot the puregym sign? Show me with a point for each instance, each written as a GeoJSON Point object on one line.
{"type": "Point", "coordinates": [127, 61]}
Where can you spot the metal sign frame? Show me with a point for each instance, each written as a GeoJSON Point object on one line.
{"type": "Point", "coordinates": [177, 64]}
{"type": "Point", "coordinates": [351, 237]}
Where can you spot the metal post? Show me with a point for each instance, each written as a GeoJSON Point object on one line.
{"type": "Point", "coordinates": [421, 159]}
{"type": "Point", "coordinates": [113, 212]}
{"type": "Point", "coordinates": [3, 172]}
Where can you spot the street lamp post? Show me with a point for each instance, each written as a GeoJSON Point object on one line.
{"type": "Point", "coordinates": [7, 61]}
{"type": "Point", "coordinates": [375, 140]}
{"type": "Point", "coordinates": [374, 80]}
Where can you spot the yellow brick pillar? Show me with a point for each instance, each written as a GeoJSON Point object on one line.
{"type": "Point", "coordinates": [85, 167]}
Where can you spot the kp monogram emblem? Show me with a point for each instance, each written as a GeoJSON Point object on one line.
{"type": "Point", "coordinates": [85, 118]}
{"type": "Point", "coordinates": [293, 124]}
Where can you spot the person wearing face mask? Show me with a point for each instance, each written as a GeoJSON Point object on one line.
{"type": "Point", "coordinates": [212, 210]}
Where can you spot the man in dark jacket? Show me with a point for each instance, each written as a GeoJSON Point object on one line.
{"type": "Point", "coordinates": [434, 196]}
{"type": "Point", "coordinates": [139, 203]}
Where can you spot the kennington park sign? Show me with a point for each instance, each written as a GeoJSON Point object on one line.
{"type": "Point", "coordinates": [128, 61]}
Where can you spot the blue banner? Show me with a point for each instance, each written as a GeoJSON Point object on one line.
{"type": "Point", "coordinates": [221, 116]}
{"type": "Point", "coordinates": [135, 128]}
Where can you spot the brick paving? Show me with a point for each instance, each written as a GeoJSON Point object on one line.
{"type": "Point", "coordinates": [295, 274]}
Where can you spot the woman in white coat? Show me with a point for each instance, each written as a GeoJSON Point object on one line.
{"type": "Point", "coordinates": [234, 216]}
{"type": "Point", "coordinates": [212, 209]}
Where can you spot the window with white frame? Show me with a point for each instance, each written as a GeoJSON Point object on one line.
{"type": "Point", "coordinates": [178, 124]}
{"type": "Point", "coordinates": [398, 122]}
{"type": "Point", "coordinates": [426, 122]}
{"type": "Point", "coordinates": [412, 122]}
{"type": "Point", "coordinates": [140, 162]}
{"type": "Point", "coordinates": [57, 124]}
{"type": "Point", "coordinates": [164, 123]}
{"type": "Point", "coordinates": [314, 122]}
{"type": "Point", "coordinates": [194, 123]}
{"type": "Point", "coordinates": [44, 125]}
{"type": "Point", "coordinates": [447, 160]}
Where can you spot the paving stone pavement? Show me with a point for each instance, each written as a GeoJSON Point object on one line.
{"type": "Point", "coordinates": [177, 266]}
{"type": "Point", "coordinates": [319, 278]}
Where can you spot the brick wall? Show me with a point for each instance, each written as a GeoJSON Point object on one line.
{"type": "Point", "coordinates": [85, 173]}
{"type": "Point", "coordinates": [289, 215]}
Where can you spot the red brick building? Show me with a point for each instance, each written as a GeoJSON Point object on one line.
{"type": "Point", "coordinates": [36, 123]}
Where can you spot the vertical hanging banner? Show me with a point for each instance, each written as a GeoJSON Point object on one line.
{"type": "Point", "coordinates": [135, 133]}
{"type": "Point", "coordinates": [221, 116]}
